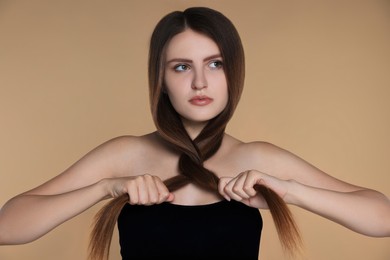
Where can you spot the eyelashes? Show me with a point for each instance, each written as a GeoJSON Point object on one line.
{"type": "Point", "coordinates": [217, 64]}
{"type": "Point", "coordinates": [181, 67]}
{"type": "Point", "coordinates": [213, 65]}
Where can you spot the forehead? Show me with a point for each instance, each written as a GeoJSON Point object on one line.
{"type": "Point", "coordinates": [190, 44]}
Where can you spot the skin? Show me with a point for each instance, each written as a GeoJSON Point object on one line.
{"type": "Point", "coordinates": [192, 66]}
{"type": "Point", "coordinates": [138, 165]}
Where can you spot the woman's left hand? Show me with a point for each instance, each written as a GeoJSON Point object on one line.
{"type": "Point", "coordinates": [241, 187]}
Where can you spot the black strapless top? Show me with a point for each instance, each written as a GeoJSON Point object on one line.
{"type": "Point", "coordinates": [221, 229]}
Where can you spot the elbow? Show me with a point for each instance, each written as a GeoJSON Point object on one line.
{"type": "Point", "coordinates": [8, 236]}
{"type": "Point", "coordinates": [3, 232]}
{"type": "Point", "coordinates": [4, 240]}
{"type": "Point", "coordinates": [7, 240]}
{"type": "Point", "coordinates": [381, 218]}
{"type": "Point", "coordinates": [381, 224]}
{"type": "Point", "coordinates": [382, 231]}
{"type": "Point", "coordinates": [376, 221]}
{"type": "Point", "coordinates": [387, 225]}
{"type": "Point", "coordinates": [4, 236]}
{"type": "Point", "coordinates": [12, 237]}
{"type": "Point", "coordinates": [386, 219]}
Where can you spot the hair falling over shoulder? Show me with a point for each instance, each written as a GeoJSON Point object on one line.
{"type": "Point", "coordinates": [169, 126]}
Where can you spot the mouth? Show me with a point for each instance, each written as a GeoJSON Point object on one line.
{"type": "Point", "coordinates": [200, 100]}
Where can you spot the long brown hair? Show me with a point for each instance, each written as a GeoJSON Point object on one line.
{"type": "Point", "coordinates": [169, 125]}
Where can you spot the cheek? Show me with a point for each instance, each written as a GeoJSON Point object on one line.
{"type": "Point", "coordinates": [168, 86]}
{"type": "Point", "coordinates": [174, 93]}
{"type": "Point", "coordinates": [172, 90]}
{"type": "Point", "coordinates": [172, 84]}
{"type": "Point", "coordinates": [223, 88]}
{"type": "Point", "coordinates": [177, 87]}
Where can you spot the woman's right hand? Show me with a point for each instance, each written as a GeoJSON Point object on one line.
{"type": "Point", "coordinates": [142, 189]}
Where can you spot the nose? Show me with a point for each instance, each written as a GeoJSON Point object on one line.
{"type": "Point", "coordinates": [199, 81]}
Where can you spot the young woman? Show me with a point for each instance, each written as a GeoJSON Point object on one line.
{"type": "Point", "coordinates": [192, 189]}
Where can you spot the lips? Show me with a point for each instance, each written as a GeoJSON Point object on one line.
{"type": "Point", "coordinates": [200, 100]}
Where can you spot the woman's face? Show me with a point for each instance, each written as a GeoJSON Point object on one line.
{"type": "Point", "coordinates": [194, 77]}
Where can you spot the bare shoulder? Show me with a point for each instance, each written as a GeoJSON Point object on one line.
{"type": "Point", "coordinates": [281, 163]}
{"type": "Point", "coordinates": [125, 142]}
{"type": "Point", "coordinates": [129, 152]}
{"type": "Point", "coordinates": [114, 153]}
{"type": "Point", "coordinates": [135, 155]}
{"type": "Point", "coordinates": [126, 146]}
{"type": "Point", "coordinates": [271, 158]}
{"type": "Point", "coordinates": [130, 146]}
{"type": "Point", "coordinates": [261, 148]}
{"type": "Point", "coordinates": [259, 153]}
{"type": "Point", "coordinates": [247, 155]}
{"type": "Point", "coordinates": [113, 158]}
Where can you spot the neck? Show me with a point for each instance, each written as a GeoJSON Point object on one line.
{"type": "Point", "coordinates": [193, 128]}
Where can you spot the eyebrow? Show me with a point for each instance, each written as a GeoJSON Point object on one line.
{"type": "Point", "coordinates": [190, 61]}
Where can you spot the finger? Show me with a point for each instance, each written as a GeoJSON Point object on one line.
{"type": "Point", "coordinates": [238, 187]}
{"type": "Point", "coordinates": [221, 187]}
{"type": "Point", "coordinates": [171, 197]}
{"type": "Point", "coordinates": [249, 183]}
{"type": "Point", "coordinates": [143, 196]}
{"type": "Point", "coordinates": [163, 192]}
{"type": "Point", "coordinates": [152, 190]}
{"type": "Point", "coordinates": [132, 190]}
{"type": "Point", "coordinates": [229, 190]}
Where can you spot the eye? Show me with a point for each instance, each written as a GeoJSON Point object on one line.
{"type": "Point", "coordinates": [181, 67]}
{"type": "Point", "coordinates": [216, 64]}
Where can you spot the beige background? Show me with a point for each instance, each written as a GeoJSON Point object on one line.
{"type": "Point", "coordinates": [73, 74]}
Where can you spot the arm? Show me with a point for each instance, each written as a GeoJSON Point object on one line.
{"type": "Point", "coordinates": [27, 217]}
{"type": "Point", "coordinates": [364, 211]}
{"type": "Point", "coordinates": [103, 173]}
{"type": "Point", "coordinates": [299, 183]}
{"type": "Point", "coordinates": [32, 214]}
